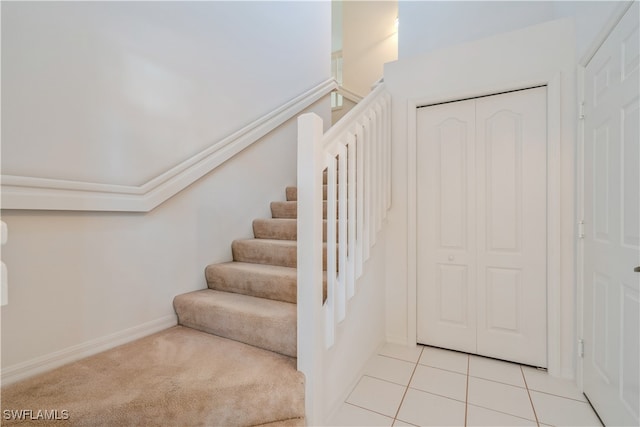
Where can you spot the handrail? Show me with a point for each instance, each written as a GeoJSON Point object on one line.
{"type": "Point", "coordinates": [351, 96]}
{"type": "Point", "coordinates": [355, 154]}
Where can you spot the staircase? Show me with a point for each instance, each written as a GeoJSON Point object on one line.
{"type": "Point", "coordinates": [231, 360]}
{"type": "Point", "coordinates": [253, 298]}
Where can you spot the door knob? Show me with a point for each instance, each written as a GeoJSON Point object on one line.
{"type": "Point", "coordinates": [637, 269]}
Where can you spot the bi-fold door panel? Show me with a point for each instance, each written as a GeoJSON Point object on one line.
{"type": "Point", "coordinates": [482, 226]}
{"type": "Point", "coordinates": [446, 176]}
{"type": "Point", "coordinates": [511, 211]}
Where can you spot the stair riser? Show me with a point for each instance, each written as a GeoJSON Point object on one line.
{"type": "Point", "coordinates": [292, 193]}
{"type": "Point", "coordinates": [290, 210]}
{"type": "Point", "coordinates": [258, 251]}
{"type": "Point", "coordinates": [265, 229]}
{"type": "Point", "coordinates": [278, 287]}
{"type": "Point", "coordinates": [275, 229]}
{"type": "Point", "coordinates": [255, 251]}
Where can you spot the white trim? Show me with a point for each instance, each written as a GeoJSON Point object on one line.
{"type": "Point", "coordinates": [412, 221]}
{"type": "Point", "coordinates": [554, 226]}
{"type": "Point", "coordinates": [58, 358]}
{"type": "Point", "coordinates": [554, 214]}
{"type": "Point", "coordinates": [579, 216]}
{"type": "Point", "coordinates": [22, 192]}
{"type": "Point", "coordinates": [615, 17]}
{"type": "Point", "coordinates": [351, 96]}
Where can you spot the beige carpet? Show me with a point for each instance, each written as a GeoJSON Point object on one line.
{"type": "Point", "coordinates": [230, 363]}
{"type": "Point", "coordinates": [178, 377]}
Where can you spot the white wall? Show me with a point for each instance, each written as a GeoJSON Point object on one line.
{"type": "Point", "coordinates": [431, 25]}
{"type": "Point", "coordinates": [589, 17]}
{"type": "Point", "coordinates": [336, 25]}
{"type": "Point", "coordinates": [513, 60]}
{"type": "Point", "coordinates": [119, 92]}
{"type": "Point", "coordinates": [369, 40]}
{"type": "Point", "coordinates": [360, 334]}
{"type": "Point", "coordinates": [116, 92]}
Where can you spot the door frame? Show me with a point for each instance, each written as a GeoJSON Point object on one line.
{"type": "Point", "coordinates": [611, 24]}
{"type": "Point", "coordinates": [554, 207]}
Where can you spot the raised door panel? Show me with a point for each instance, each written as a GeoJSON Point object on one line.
{"type": "Point", "coordinates": [511, 147]}
{"type": "Point", "coordinates": [446, 234]}
{"type": "Point", "coordinates": [611, 289]}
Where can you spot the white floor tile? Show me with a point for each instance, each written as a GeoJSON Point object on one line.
{"type": "Point", "coordinates": [377, 395]}
{"type": "Point", "coordinates": [426, 409]}
{"type": "Point", "coordinates": [477, 416]}
{"type": "Point", "coordinates": [500, 397]}
{"type": "Point", "coordinates": [444, 359]}
{"type": "Point", "coordinates": [560, 411]}
{"type": "Point", "coordinates": [389, 369]}
{"type": "Point", "coordinates": [541, 381]}
{"type": "Point", "coordinates": [349, 415]}
{"type": "Point", "coordinates": [495, 370]}
{"type": "Point", "coordinates": [397, 351]}
{"type": "Point", "coordinates": [441, 382]}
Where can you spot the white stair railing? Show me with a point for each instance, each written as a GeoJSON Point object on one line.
{"type": "Point", "coordinates": [355, 154]}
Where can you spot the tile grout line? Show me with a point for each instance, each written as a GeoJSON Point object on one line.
{"type": "Point", "coordinates": [466, 397]}
{"type": "Point", "coordinates": [395, 417]}
{"type": "Point", "coordinates": [367, 409]}
{"type": "Point", "coordinates": [529, 394]}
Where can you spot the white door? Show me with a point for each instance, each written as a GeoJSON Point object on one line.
{"type": "Point", "coordinates": [482, 226]}
{"type": "Point", "coordinates": [611, 314]}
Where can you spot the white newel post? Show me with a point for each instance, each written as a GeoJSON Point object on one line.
{"type": "Point", "coordinates": [309, 264]}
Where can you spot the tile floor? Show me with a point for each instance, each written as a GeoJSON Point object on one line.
{"type": "Point", "coordinates": [427, 386]}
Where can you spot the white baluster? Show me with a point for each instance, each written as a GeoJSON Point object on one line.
{"type": "Point", "coordinates": [332, 237]}
{"type": "Point", "coordinates": [351, 215]}
{"type": "Point", "coordinates": [359, 199]}
{"type": "Point", "coordinates": [341, 296]}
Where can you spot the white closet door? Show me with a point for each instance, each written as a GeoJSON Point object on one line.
{"type": "Point", "coordinates": [511, 141]}
{"type": "Point", "coordinates": [482, 226]}
{"type": "Point", "coordinates": [446, 226]}
{"type": "Point", "coordinates": [611, 305]}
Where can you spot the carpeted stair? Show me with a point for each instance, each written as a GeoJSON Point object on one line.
{"type": "Point", "coordinates": [230, 362]}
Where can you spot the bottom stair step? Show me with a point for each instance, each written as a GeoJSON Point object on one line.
{"type": "Point", "coordinates": [260, 322]}
{"type": "Point", "coordinates": [177, 377]}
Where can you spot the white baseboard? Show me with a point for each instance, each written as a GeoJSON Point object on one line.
{"type": "Point", "coordinates": [58, 358]}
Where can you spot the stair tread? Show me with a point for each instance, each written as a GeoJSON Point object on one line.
{"type": "Point", "coordinates": [259, 280]}
{"type": "Point", "coordinates": [265, 251]}
{"type": "Point", "coordinates": [259, 268]}
{"type": "Point", "coordinates": [276, 242]}
{"type": "Point", "coordinates": [276, 228]}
